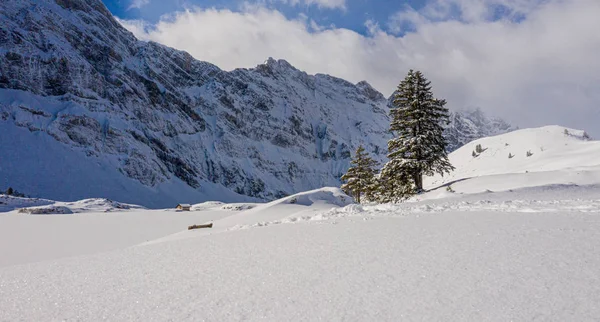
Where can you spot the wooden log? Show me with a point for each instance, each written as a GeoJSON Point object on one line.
{"type": "Point", "coordinates": [200, 226]}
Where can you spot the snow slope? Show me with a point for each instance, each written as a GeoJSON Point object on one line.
{"type": "Point", "coordinates": [469, 258]}
{"type": "Point", "coordinates": [38, 165]}
{"type": "Point", "coordinates": [557, 158]}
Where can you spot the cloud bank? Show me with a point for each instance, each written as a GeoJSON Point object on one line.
{"type": "Point", "coordinates": [530, 62]}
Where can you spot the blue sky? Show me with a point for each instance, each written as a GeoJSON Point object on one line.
{"type": "Point", "coordinates": [353, 16]}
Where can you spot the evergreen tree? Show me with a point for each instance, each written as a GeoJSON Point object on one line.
{"type": "Point", "coordinates": [393, 186]}
{"type": "Point", "coordinates": [9, 191]}
{"type": "Point", "coordinates": [418, 148]}
{"type": "Point", "coordinates": [360, 178]}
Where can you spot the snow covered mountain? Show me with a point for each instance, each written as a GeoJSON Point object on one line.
{"type": "Point", "coordinates": [471, 124]}
{"type": "Point", "coordinates": [87, 110]}
{"type": "Point", "coordinates": [84, 101]}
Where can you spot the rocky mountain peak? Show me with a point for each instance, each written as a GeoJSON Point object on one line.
{"type": "Point", "coordinates": [279, 64]}
{"type": "Point", "coordinates": [369, 91]}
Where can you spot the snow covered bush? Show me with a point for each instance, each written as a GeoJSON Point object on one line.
{"type": "Point", "coordinates": [479, 149]}
{"type": "Point", "coordinates": [586, 136]}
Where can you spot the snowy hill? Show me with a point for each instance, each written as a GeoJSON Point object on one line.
{"type": "Point", "coordinates": [538, 156]}
{"type": "Point", "coordinates": [87, 110]}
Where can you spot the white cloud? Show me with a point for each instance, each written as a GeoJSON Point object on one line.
{"type": "Point", "coordinates": [330, 4]}
{"type": "Point", "coordinates": [468, 11]}
{"type": "Point", "coordinates": [138, 4]}
{"type": "Point", "coordinates": [543, 70]}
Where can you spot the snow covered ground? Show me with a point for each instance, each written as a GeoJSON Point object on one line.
{"type": "Point", "coordinates": [556, 157]}
{"type": "Point", "coordinates": [499, 246]}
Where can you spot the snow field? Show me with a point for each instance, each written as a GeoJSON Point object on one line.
{"type": "Point", "coordinates": [467, 266]}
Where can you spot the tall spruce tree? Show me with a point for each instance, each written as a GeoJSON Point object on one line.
{"type": "Point", "coordinates": [418, 147]}
{"type": "Point", "coordinates": [360, 178]}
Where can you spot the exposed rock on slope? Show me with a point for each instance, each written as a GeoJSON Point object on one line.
{"type": "Point", "coordinates": [68, 70]}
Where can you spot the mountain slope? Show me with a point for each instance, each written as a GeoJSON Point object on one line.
{"type": "Point", "coordinates": [87, 110]}
{"type": "Point", "coordinates": [160, 118]}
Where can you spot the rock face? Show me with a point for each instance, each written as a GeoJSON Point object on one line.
{"type": "Point", "coordinates": [469, 125]}
{"type": "Point", "coordinates": [87, 110]}
{"type": "Point", "coordinates": [69, 71]}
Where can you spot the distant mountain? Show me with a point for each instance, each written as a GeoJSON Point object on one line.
{"type": "Point", "coordinates": [87, 110]}
{"type": "Point", "coordinates": [468, 125]}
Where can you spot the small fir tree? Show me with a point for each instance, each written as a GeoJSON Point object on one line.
{"type": "Point", "coordinates": [9, 191]}
{"type": "Point", "coordinates": [360, 178]}
{"type": "Point", "coordinates": [418, 148]}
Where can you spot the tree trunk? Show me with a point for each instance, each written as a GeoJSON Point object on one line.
{"type": "Point", "coordinates": [418, 178]}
